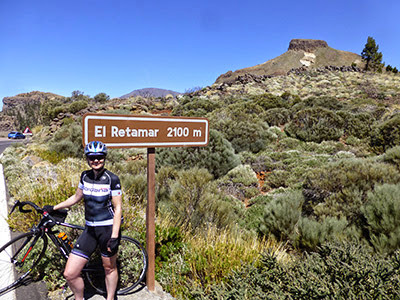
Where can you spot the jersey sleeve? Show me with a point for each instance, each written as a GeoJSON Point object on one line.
{"type": "Point", "coordinates": [80, 186]}
{"type": "Point", "coordinates": [115, 186]}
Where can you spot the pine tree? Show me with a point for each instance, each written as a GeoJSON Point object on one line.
{"type": "Point", "coordinates": [371, 55]}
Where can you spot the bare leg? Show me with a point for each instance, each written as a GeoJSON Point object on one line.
{"type": "Point", "coordinates": [72, 274]}
{"type": "Point", "coordinates": [110, 268]}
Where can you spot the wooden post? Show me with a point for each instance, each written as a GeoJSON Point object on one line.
{"type": "Point", "coordinates": [150, 218]}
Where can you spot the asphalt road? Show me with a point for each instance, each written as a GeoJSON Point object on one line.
{"type": "Point", "coordinates": [5, 142]}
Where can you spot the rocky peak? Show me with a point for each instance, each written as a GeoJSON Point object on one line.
{"type": "Point", "coordinates": [307, 45]}
{"type": "Point", "coordinates": [17, 102]}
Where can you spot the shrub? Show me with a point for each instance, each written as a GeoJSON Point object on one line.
{"type": "Point", "coordinates": [67, 141]}
{"type": "Point", "coordinates": [218, 157]}
{"type": "Point", "coordinates": [242, 125]}
{"type": "Point", "coordinates": [195, 201]}
{"type": "Point", "coordinates": [282, 214]}
{"type": "Point", "coordinates": [311, 233]}
{"type": "Point", "coordinates": [135, 187]}
{"type": "Point", "coordinates": [358, 125]}
{"type": "Point", "coordinates": [240, 182]}
{"type": "Point", "coordinates": [254, 213]}
{"type": "Point", "coordinates": [165, 177]}
{"type": "Point", "coordinates": [315, 125]}
{"type": "Point", "coordinates": [268, 101]}
{"type": "Point", "coordinates": [382, 214]}
{"type": "Point", "coordinates": [277, 116]}
{"type": "Point", "coordinates": [392, 156]}
{"type": "Point", "coordinates": [76, 106]}
{"type": "Point", "coordinates": [101, 98]}
{"type": "Point", "coordinates": [386, 134]}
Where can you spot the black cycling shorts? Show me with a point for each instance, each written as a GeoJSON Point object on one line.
{"type": "Point", "coordinates": [92, 237]}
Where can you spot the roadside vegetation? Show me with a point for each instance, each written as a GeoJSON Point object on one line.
{"type": "Point", "coordinates": [296, 196]}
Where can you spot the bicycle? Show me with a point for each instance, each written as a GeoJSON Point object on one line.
{"type": "Point", "coordinates": [19, 256]}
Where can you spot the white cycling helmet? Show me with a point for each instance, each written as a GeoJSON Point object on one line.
{"type": "Point", "coordinates": [95, 148]}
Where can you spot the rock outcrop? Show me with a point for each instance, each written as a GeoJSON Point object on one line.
{"type": "Point", "coordinates": [23, 108]}
{"type": "Point", "coordinates": [306, 45]}
{"type": "Point", "coordinates": [11, 104]}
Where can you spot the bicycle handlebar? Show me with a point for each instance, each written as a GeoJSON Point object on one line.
{"type": "Point", "coordinates": [21, 205]}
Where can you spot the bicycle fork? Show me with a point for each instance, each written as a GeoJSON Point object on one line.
{"type": "Point", "coordinates": [20, 263]}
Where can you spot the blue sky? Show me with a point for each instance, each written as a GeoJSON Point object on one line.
{"type": "Point", "coordinates": [116, 46]}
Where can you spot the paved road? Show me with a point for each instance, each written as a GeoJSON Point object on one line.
{"type": "Point", "coordinates": [5, 142]}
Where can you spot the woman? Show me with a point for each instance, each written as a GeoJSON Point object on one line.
{"type": "Point", "coordinates": [101, 191]}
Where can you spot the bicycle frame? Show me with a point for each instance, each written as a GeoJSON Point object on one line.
{"type": "Point", "coordinates": [45, 226]}
{"type": "Point", "coordinates": [133, 263]}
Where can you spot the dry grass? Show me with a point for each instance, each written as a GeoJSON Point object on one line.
{"type": "Point", "coordinates": [213, 253]}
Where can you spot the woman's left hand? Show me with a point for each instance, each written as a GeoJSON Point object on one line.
{"type": "Point", "coordinates": [112, 244]}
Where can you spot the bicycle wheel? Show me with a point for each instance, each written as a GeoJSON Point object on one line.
{"type": "Point", "coordinates": [18, 257]}
{"type": "Point", "coordinates": [132, 266]}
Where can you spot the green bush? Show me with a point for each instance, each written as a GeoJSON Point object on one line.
{"type": "Point", "coordinates": [254, 213]}
{"type": "Point", "coordinates": [195, 201]}
{"type": "Point", "coordinates": [277, 116]}
{"type": "Point", "coordinates": [240, 182]}
{"type": "Point", "coordinates": [168, 242]}
{"type": "Point", "coordinates": [311, 233]}
{"type": "Point", "coordinates": [67, 141]}
{"type": "Point", "coordinates": [387, 134]}
{"type": "Point", "coordinates": [315, 125]}
{"type": "Point", "coordinates": [76, 106]}
{"type": "Point", "coordinates": [358, 125]}
{"type": "Point", "coordinates": [50, 109]}
{"type": "Point", "coordinates": [392, 156]}
{"type": "Point", "coordinates": [382, 214]}
{"type": "Point", "coordinates": [135, 187]}
{"type": "Point", "coordinates": [243, 125]}
{"type": "Point", "coordinates": [282, 214]}
{"type": "Point", "coordinates": [269, 101]}
{"type": "Point", "coordinates": [218, 157]}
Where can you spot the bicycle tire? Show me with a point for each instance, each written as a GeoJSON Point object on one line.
{"type": "Point", "coordinates": [132, 265]}
{"type": "Point", "coordinates": [18, 257]}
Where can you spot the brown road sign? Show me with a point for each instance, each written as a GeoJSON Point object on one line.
{"type": "Point", "coordinates": [123, 131]}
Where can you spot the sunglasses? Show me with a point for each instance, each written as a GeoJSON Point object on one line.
{"type": "Point", "coordinates": [94, 157]}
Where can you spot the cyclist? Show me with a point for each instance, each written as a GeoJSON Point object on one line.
{"type": "Point", "coordinates": [101, 191]}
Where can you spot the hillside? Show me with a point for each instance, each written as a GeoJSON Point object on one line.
{"type": "Point", "coordinates": [301, 53]}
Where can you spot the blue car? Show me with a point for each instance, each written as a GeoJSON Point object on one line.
{"type": "Point", "coordinates": [16, 135]}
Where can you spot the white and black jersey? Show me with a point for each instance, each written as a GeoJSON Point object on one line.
{"type": "Point", "coordinates": [97, 194]}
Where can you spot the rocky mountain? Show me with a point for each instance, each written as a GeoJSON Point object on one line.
{"type": "Point", "coordinates": [150, 92]}
{"type": "Point", "coordinates": [15, 103]}
{"type": "Point", "coordinates": [24, 109]}
{"type": "Point", "coordinates": [301, 53]}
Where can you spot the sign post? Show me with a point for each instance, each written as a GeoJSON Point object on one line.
{"type": "Point", "coordinates": [129, 131]}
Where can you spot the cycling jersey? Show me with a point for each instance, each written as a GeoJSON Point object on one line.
{"type": "Point", "coordinates": [97, 194]}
